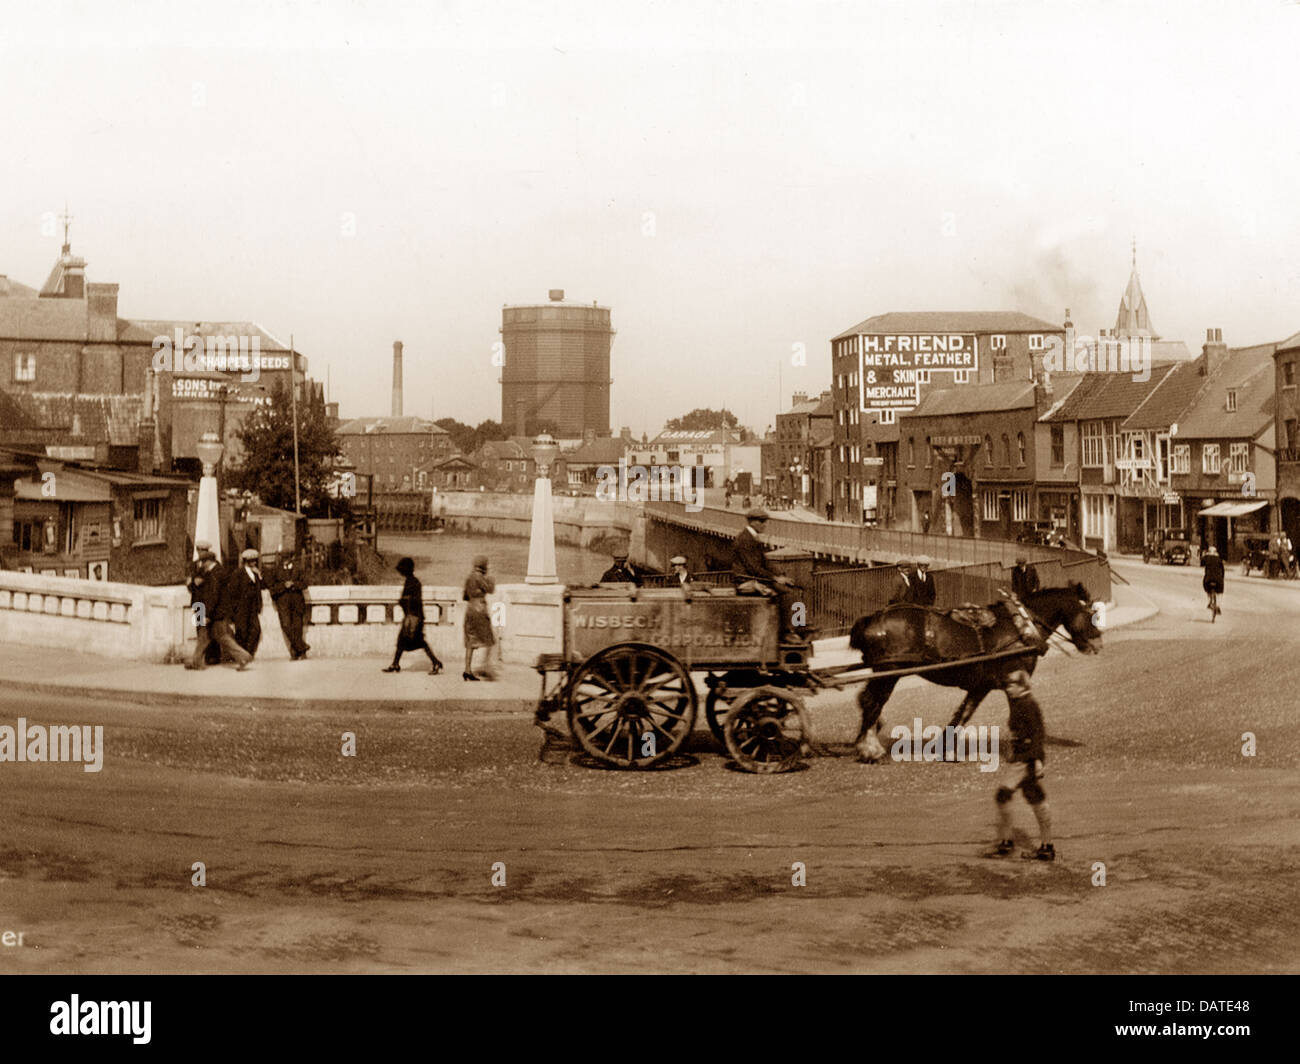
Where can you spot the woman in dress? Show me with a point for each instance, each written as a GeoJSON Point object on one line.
{"type": "Point", "coordinates": [410, 636]}
{"type": "Point", "coordinates": [478, 621]}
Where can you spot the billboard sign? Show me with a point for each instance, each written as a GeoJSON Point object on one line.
{"type": "Point", "coordinates": [889, 364]}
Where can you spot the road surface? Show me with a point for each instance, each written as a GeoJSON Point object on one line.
{"type": "Point", "coordinates": [384, 861]}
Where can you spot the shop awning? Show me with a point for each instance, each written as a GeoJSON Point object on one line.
{"type": "Point", "coordinates": [1232, 509]}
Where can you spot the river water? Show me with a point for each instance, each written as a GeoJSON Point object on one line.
{"type": "Point", "coordinates": [445, 559]}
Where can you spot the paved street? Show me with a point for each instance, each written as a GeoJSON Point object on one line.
{"type": "Point", "coordinates": [384, 861]}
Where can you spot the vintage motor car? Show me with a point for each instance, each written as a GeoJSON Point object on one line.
{"type": "Point", "coordinates": [1168, 546]}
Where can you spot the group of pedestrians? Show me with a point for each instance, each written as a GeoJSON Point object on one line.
{"type": "Point", "coordinates": [226, 603]}
{"type": "Point", "coordinates": [478, 619]}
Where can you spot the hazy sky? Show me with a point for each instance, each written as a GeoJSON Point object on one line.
{"type": "Point", "coordinates": [731, 179]}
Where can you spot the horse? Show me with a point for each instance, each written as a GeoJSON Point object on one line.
{"type": "Point", "coordinates": [905, 635]}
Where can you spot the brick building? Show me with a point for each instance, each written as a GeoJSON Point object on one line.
{"type": "Point", "coordinates": [792, 458]}
{"type": "Point", "coordinates": [1286, 429]}
{"type": "Point", "coordinates": [393, 449]}
{"type": "Point", "coordinates": [1004, 346]}
{"type": "Point", "coordinates": [966, 460]}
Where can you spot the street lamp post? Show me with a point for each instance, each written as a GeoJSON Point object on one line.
{"type": "Point", "coordinates": [541, 539]}
{"type": "Point", "coordinates": [207, 517]}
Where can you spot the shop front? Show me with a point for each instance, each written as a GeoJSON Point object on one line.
{"type": "Point", "coordinates": [1226, 523]}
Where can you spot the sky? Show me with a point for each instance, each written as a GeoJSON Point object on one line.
{"type": "Point", "coordinates": [733, 180]}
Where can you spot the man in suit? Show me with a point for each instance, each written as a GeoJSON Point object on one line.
{"type": "Point", "coordinates": [923, 582]}
{"type": "Point", "coordinates": [291, 606]}
{"type": "Point", "coordinates": [679, 571]}
{"type": "Point", "coordinates": [205, 596]}
{"type": "Point", "coordinates": [752, 574]}
{"type": "Point", "coordinates": [1024, 578]}
{"type": "Point", "coordinates": [621, 572]}
{"type": "Point", "coordinates": [239, 625]}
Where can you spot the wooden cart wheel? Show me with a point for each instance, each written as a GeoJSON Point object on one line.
{"type": "Point", "coordinates": [631, 705]}
{"type": "Point", "coordinates": [765, 730]}
{"type": "Point", "coordinates": [716, 709]}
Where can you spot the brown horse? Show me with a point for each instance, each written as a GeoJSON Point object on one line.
{"type": "Point", "coordinates": [902, 636]}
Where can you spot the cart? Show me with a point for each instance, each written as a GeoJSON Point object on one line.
{"type": "Point", "coordinates": [624, 677]}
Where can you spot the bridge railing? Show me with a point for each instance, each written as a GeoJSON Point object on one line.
{"type": "Point", "coordinates": [861, 542]}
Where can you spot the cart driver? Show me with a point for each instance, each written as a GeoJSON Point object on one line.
{"type": "Point", "coordinates": [754, 576]}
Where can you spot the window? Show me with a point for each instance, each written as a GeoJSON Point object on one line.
{"type": "Point", "coordinates": [922, 376]}
{"type": "Point", "coordinates": [929, 451]}
{"type": "Point", "coordinates": [1180, 458]}
{"type": "Point", "coordinates": [1162, 458]}
{"type": "Point", "coordinates": [961, 376]}
{"type": "Point", "coordinates": [1006, 450]}
{"type": "Point", "coordinates": [1209, 458]}
{"type": "Point", "coordinates": [1291, 430]}
{"type": "Point", "coordinates": [1020, 505]}
{"type": "Point", "coordinates": [911, 452]}
{"type": "Point", "coordinates": [148, 519]}
{"type": "Point", "coordinates": [1036, 342]}
{"type": "Point", "coordinates": [988, 450]}
{"type": "Point", "coordinates": [24, 366]}
{"type": "Point", "coordinates": [673, 457]}
{"type": "Point", "coordinates": [1238, 457]}
{"type": "Point", "coordinates": [992, 511]}
{"type": "Point", "coordinates": [1058, 446]}
{"type": "Point", "coordinates": [1094, 516]}
{"type": "Point", "coordinates": [888, 417]}
{"type": "Point", "coordinates": [998, 342]}
{"type": "Point", "coordinates": [1094, 447]}
{"type": "Point", "coordinates": [1020, 452]}
{"type": "Point", "coordinates": [1231, 401]}
{"type": "Point", "coordinates": [27, 535]}
{"type": "Point", "coordinates": [1137, 447]}
{"type": "Point", "coordinates": [1288, 374]}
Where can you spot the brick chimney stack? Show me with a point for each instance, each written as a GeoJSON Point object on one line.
{"type": "Point", "coordinates": [397, 378]}
{"type": "Point", "coordinates": [1213, 353]}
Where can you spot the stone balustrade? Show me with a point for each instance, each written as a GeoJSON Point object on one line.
{"type": "Point", "coordinates": [156, 624]}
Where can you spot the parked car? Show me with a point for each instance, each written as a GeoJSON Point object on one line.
{"type": "Point", "coordinates": [1169, 546]}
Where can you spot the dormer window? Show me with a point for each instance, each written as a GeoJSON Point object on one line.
{"type": "Point", "coordinates": [1232, 400]}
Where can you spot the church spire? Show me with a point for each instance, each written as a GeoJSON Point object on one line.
{"type": "Point", "coordinates": [1133, 318]}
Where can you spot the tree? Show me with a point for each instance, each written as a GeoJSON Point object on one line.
{"type": "Point", "coordinates": [467, 439]}
{"type": "Point", "coordinates": [703, 419]}
{"type": "Point", "coordinates": [266, 469]}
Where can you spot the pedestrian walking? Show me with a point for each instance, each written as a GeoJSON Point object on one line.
{"type": "Point", "coordinates": [291, 607]}
{"type": "Point", "coordinates": [238, 627]}
{"type": "Point", "coordinates": [1027, 740]}
{"type": "Point", "coordinates": [478, 620]}
{"type": "Point", "coordinates": [205, 595]}
{"type": "Point", "coordinates": [1024, 578]}
{"type": "Point", "coordinates": [1212, 581]}
{"type": "Point", "coordinates": [410, 636]}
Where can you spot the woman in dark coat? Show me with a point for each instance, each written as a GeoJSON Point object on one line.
{"type": "Point", "coordinates": [1212, 581]}
{"type": "Point", "coordinates": [478, 621]}
{"type": "Point", "coordinates": [411, 635]}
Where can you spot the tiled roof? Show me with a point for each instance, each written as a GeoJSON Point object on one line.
{"type": "Point", "coordinates": [11, 289]}
{"type": "Point", "coordinates": [111, 419]}
{"type": "Point", "coordinates": [1167, 402]}
{"type": "Point", "coordinates": [370, 426]}
{"type": "Point", "coordinates": [1248, 370]}
{"type": "Point", "coordinates": [1107, 395]}
{"type": "Point", "coordinates": [952, 321]}
{"type": "Point", "coordinates": [496, 450]}
{"type": "Point", "coordinates": [974, 399]}
{"type": "Point", "coordinates": [146, 330]}
{"type": "Point", "coordinates": [1290, 343]}
{"type": "Point", "coordinates": [602, 451]}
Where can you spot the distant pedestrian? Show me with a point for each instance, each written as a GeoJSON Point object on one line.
{"type": "Point", "coordinates": [291, 606]}
{"type": "Point", "coordinates": [205, 595]}
{"type": "Point", "coordinates": [478, 619]}
{"type": "Point", "coordinates": [1024, 578]}
{"type": "Point", "coordinates": [410, 636]}
{"type": "Point", "coordinates": [925, 523]}
{"type": "Point", "coordinates": [1212, 581]}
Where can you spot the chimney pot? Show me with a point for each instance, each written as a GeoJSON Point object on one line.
{"type": "Point", "coordinates": [1218, 336]}
{"type": "Point", "coordinates": [556, 295]}
{"type": "Point", "coordinates": [1209, 336]}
